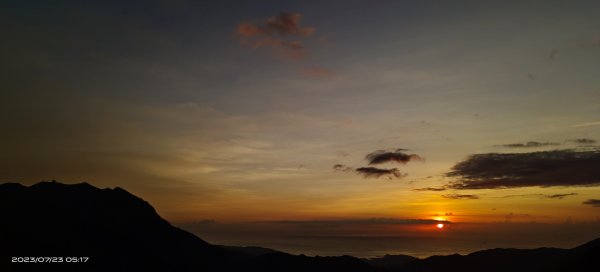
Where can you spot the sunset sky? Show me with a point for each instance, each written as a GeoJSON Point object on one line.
{"type": "Point", "coordinates": [230, 112]}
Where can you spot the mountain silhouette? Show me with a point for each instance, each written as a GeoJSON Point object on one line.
{"type": "Point", "coordinates": [121, 232]}
{"type": "Point", "coordinates": [116, 229]}
{"type": "Point", "coordinates": [582, 258]}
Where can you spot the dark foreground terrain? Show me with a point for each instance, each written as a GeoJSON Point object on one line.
{"type": "Point", "coordinates": [121, 232]}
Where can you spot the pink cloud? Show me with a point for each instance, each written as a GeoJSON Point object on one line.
{"type": "Point", "coordinates": [274, 33]}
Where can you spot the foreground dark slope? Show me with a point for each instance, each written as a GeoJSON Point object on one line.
{"type": "Point", "coordinates": [582, 258]}
{"type": "Point", "coordinates": [111, 226]}
{"type": "Point", "coordinates": [121, 232]}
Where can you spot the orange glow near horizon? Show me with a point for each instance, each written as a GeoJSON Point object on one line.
{"type": "Point", "coordinates": [440, 226]}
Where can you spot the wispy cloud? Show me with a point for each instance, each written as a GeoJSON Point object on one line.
{"type": "Point", "coordinates": [342, 168]}
{"type": "Point", "coordinates": [560, 196]}
{"type": "Point", "coordinates": [587, 124]}
{"type": "Point", "coordinates": [583, 141]}
{"type": "Point", "coordinates": [288, 49]}
{"type": "Point", "coordinates": [546, 168]}
{"type": "Point", "coordinates": [528, 144]}
{"type": "Point", "coordinates": [555, 196]}
{"type": "Point", "coordinates": [523, 195]}
{"type": "Point", "coordinates": [459, 196]}
{"type": "Point", "coordinates": [371, 221]}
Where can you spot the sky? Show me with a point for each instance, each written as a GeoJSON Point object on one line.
{"type": "Point", "coordinates": [379, 117]}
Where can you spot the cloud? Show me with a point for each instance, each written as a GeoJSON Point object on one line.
{"type": "Point", "coordinates": [342, 168]}
{"type": "Point", "coordinates": [288, 24]}
{"type": "Point", "coordinates": [284, 23]}
{"type": "Point", "coordinates": [560, 196]}
{"type": "Point", "coordinates": [379, 157]}
{"type": "Point", "coordinates": [382, 156]}
{"type": "Point", "coordinates": [459, 196]}
{"type": "Point", "coordinates": [544, 169]}
{"type": "Point", "coordinates": [582, 141]}
{"type": "Point", "coordinates": [587, 124]}
{"type": "Point", "coordinates": [274, 32]}
{"type": "Point", "coordinates": [373, 172]}
{"type": "Point", "coordinates": [523, 195]}
{"type": "Point", "coordinates": [592, 202]}
{"type": "Point", "coordinates": [555, 196]}
{"type": "Point", "coordinates": [317, 72]}
{"type": "Point", "coordinates": [430, 189]}
{"type": "Point", "coordinates": [528, 144]}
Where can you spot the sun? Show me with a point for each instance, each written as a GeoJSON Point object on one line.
{"type": "Point", "coordinates": [440, 226]}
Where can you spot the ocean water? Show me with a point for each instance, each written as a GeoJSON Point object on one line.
{"type": "Point", "coordinates": [363, 246]}
{"type": "Point", "coordinates": [374, 241]}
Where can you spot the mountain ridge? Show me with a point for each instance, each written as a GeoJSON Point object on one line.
{"type": "Point", "coordinates": [122, 232]}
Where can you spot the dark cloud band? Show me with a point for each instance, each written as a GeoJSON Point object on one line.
{"type": "Point", "coordinates": [544, 169]}
{"type": "Point", "coordinates": [459, 196]}
{"type": "Point", "coordinates": [433, 189]}
{"type": "Point", "coordinates": [373, 172]}
{"type": "Point", "coordinates": [528, 144]}
{"type": "Point", "coordinates": [381, 156]}
{"type": "Point", "coordinates": [592, 202]}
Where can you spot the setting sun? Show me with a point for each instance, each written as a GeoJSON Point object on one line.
{"type": "Point", "coordinates": [440, 226]}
